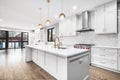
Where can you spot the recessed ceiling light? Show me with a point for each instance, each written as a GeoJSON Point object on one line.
{"type": "Point", "coordinates": [1, 20]}
{"type": "Point", "coordinates": [74, 7]}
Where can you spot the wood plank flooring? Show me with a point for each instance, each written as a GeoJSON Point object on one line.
{"type": "Point", "coordinates": [14, 67]}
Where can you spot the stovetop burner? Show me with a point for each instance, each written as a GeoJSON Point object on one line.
{"type": "Point", "coordinates": [83, 46]}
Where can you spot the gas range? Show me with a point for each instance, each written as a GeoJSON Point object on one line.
{"type": "Point", "coordinates": [83, 46]}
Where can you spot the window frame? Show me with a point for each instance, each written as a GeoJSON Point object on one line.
{"type": "Point", "coordinates": [51, 29]}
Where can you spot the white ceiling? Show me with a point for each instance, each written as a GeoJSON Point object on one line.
{"type": "Point", "coordinates": [25, 14]}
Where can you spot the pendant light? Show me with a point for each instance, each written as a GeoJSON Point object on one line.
{"type": "Point", "coordinates": [61, 15]}
{"type": "Point", "coordinates": [40, 25]}
{"type": "Point", "coordinates": [48, 22]}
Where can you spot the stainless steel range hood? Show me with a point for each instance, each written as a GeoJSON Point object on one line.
{"type": "Point", "coordinates": [85, 22]}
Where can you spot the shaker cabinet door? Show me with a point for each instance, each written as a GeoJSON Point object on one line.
{"type": "Point", "coordinates": [106, 18]}
{"type": "Point", "coordinates": [119, 61]}
{"type": "Point", "coordinates": [51, 63]}
{"type": "Point", "coordinates": [34, 55]}
{"type": "Point", "coordinates": [111, 17]}
{"type": "Point", "coordinates": [41, 61]}
{"type": "Point", "coordinates": [99, 18]}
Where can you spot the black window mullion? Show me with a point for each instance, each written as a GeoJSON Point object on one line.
{"type": "Point", "coordinates": [50, 39]}
{"type": "Point", "coordinates": [51, 34]}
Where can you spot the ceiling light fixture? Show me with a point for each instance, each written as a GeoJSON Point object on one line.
{"type": "Point", "coordinates": [62, 15]}
{"type": "Point", "coordinates": [48, 22]}
{"type": "Point", "coordinates": [40, 25]}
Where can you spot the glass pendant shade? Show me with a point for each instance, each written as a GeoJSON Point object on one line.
{"type": "Point", "coordinates": [40, 25]}
{"type": "Point", "coordinates": [48, 22]}
{"type": "Point", "coordinates": [62, 16]}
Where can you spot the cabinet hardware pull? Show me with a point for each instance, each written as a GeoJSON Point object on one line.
{"type": "Point", "coordinates": [72, 60]}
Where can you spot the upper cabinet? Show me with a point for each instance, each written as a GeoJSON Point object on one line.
{"type": "Point", "coordinates": [106, 18]}
{"type": "Point", "coordinates": [67, 27]}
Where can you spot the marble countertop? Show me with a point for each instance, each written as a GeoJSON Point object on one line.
{"type": "Point", "coordinates": [68, 52]}
{"type": "Point", "coordinates": [115, 47]}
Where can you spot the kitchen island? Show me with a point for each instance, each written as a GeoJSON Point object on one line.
{"type": "Point", "coordinates": [63, 64]}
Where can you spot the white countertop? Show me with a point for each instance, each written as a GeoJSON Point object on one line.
{"type": "Point", "coordinates": [60, 52]}
{"type": "Point", "coordinates": [115, 47]}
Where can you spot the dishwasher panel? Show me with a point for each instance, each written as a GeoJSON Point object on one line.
{"type": "Point", "coordinates": [79, 67]}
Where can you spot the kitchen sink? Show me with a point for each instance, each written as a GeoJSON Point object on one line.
{"type": "Point", "coordinates": [62, 48]}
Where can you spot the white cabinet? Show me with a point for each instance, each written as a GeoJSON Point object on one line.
{"type": "Point", "coordinates": [67, 27]}
{"type": "Point", "coordinates": [79, 22]}
{"type": "Point", "coordinates": [99, 18]}
{"type": "Point", "coordinates": [37, 34]}
{"type": "Point", "coordinates": [106, 18]}
{"type": "Point", "coordinates": [119, 60]}
{"type": "Point", "coordinates": [111, 17]}
{"type": "Point", "coordinates": [51, 63]}
{"type": "Point", "coordinates": [34, 55]}
{"type": "Point", "coordinates": [105, 57]}
{"type": "Point", "coordinates": [62, 68]}
{"type": "Point", "coordinates": [41, 58]}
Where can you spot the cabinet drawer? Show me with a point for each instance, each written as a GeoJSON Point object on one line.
{"type": "Point", "coordinates": [105, 63]}
{"type": "Point", "coordinates": [111, 50]}
{"type": "Point", "coordinates": [110, 54]}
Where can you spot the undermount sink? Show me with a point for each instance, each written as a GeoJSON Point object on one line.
{"type": "Point", "coordinates": [62, 48]}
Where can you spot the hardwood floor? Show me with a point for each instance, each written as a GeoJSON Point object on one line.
{"type": "Point", "coordinates": [14, 67]}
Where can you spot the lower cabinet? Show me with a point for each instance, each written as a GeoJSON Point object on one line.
{"type": "Point", "coordinates": [51, 63]}
{"type": "Point", "coordinates": [61, 67]}
{"type": "Point", "coordinates": [119, 61]}
{"type": "Point", "coordinates": [41, 58]}
{"type": "Point", "coordinates": [34, 55]}
{"type": "Point", "coordinates": [105, 57]}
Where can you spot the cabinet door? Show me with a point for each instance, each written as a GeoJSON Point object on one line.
{"type": "Point", "coordinates": [111, 17]}
{"type": "Point", "coordinates": [34, 55]}
{"type": "Point", "coordinates": [67, 27]}
{"type": "Point", "coordinates": [105, 57]}
{"type": "Point", "coordinates": [62, 69]}
{"type": "Point", "coordinates": [79, 22]}
{"type": "Point", "coordinates": [119, 61]}
{"type": "Point", "coordinates": [99, 18]}
{"type": "Point", "coordinates": [71, 26]}
{"type": "Point", "coordinates": [51, 62]}
{"type": "Point", "coordinates": [41, 58]}
{"type": "Point", "coordinates": [37, 34]}
{"type": "Point", "coordinates": [62, 28]}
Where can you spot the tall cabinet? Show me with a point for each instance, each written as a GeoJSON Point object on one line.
{"type": "Point", "coordinates": [106, 18]}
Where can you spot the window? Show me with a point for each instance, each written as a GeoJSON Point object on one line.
{"type": "Point", "coordinates": [3, 39]}
{"type": "Point", "coordinates": [13, 39]}
{"type": "Point", "coordinates": [51, 34]}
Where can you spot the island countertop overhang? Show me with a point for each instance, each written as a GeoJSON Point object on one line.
{"type": "Point", "coordinates": [65, 53]}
